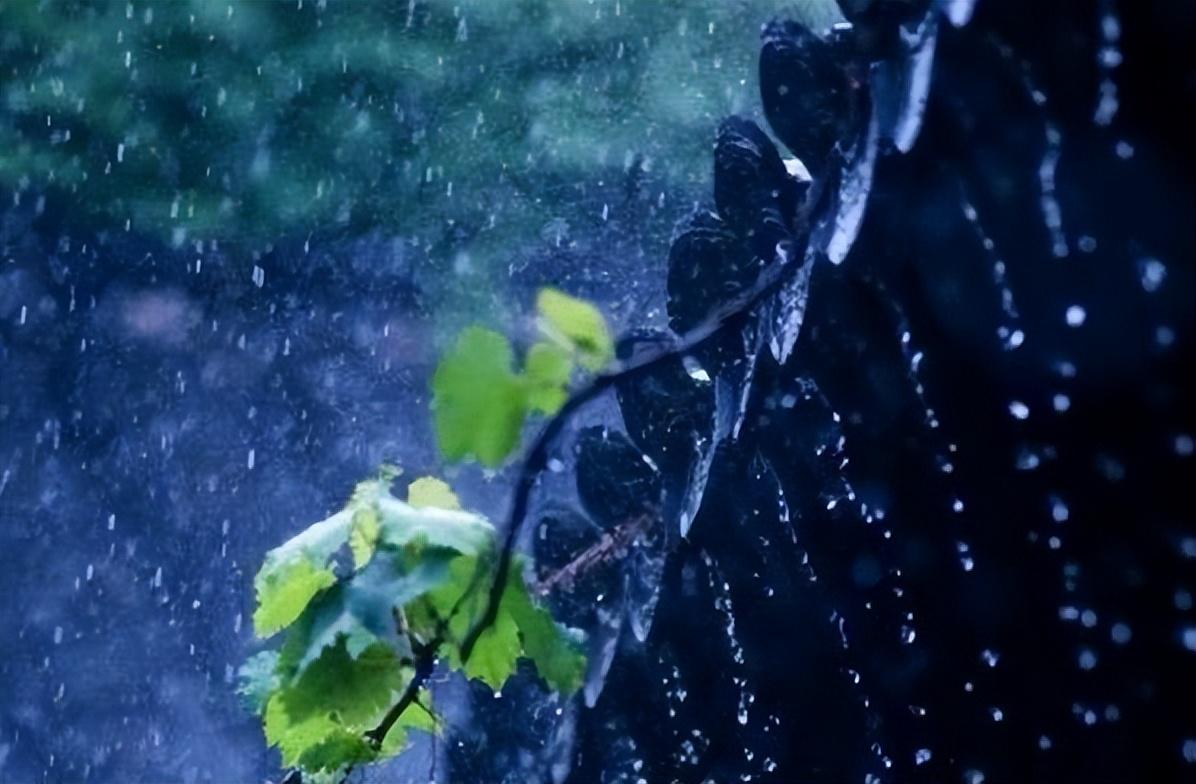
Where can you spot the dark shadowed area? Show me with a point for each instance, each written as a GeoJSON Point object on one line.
{"type": "Point", "coordinates": [924, 516]}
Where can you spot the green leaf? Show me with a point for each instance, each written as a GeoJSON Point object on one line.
{"type": "Point", "coordinates": [318, 542]}
{"type": "Point", "coordinates": [417, 716]}
{"type": "Point", "coordinates": [423, 572]}
{"type": "Point", "coordinates": [313, 720]}
{"type": "Point", "coordinates": [363, 536]}
{"type": "Point", "coordinates": [547, 369]}
{"type": "Point", "coordinates": [259, 678]}
{"type": "Point", "coordinates": [557, 656]}
{"type": "Point", "coordinates": [430, 491]}
{"type": "Point", "coordinates": [360, 611]}
{"type": "Point", "coordinates": [402, 524]}
{"type": "Point", "coordinates": [520, 628]}
{"type": "Point", "coordinates": [283, 593]}
{"type": "Point", "coordinates": [294, 735]}
{"type": "Point", "coordinates": [577, 323]}
{"type": "Point", "coordinates": [294, 572]}
{"type": "Point", "coordinates": [497, 650]}
{"type": "Point", "coordinates": [461, 600]}
{"type": "Point", "coordinates": [456, 600]}
{"type": "Point", "coordinates": [336, 750]}
{"type": "Point", "coordinates": [479, 402]}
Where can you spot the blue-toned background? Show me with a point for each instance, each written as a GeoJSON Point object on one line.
{"type": "Point", "coordinates": [234, 239]}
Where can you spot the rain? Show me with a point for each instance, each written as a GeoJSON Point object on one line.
{"type": "Point", "coordinates": [889, 479]}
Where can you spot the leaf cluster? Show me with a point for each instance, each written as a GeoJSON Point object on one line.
{"type": "Point", "coordinates": [481, 401]}
{"type": "Point", "coordinates": [361, 596]}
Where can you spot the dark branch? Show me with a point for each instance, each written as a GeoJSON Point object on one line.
{"type": "Point", "coordinates": [733, 313]}
{"type": "Point", "coordinates": [611, 545]}
{"type": "Point", "coordinates": [424, 660]}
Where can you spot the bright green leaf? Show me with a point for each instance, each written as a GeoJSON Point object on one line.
{"type": "Point", "coordinates": [547, 369]}
{"type": "Point", "coordinates": [479, 402]}
{"type": "Point", "coordinates": [318, 542]}
{"type": "Point", "coordinates": [457, 600]}
{"type": "Point", "coordinates": [358, 689]}
{"type": "Point", "coordinates": [430, 491]}
{"type": "Point", "coordinates": [336, 750]}
{"type": "Point", "coordinates": [294, 735]}
{"type": "Point", "coordinates": [363, 536]}
{"type": "Point", "coordinates": [579, 324]}
{"type": "Point", "coordinates": [360, 611]}
{"type": "Point", "coordinates": [338, 696]}
{"type": "Point", "coordinates": [283, 594]}
{"type": "Point", "coordinates": [417, 716]}
{"type": "Point", "coordinates": [494, 655]}
{"type": "Point", "coordinates": [422, 572]}
{"type": "Point", "coordinates": [520, 628]}
{"type": "Point", "coordinates": [557, 656]}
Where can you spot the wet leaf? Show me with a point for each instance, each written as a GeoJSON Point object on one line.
{"type": "Point", "coordinates": [428, 491]}
{"type": "Point", "coordinates": [479, 402]}
{"type": "Point", "coordinates": [579, 324]}
{"type": "Point", "coordinates": [283, 594]}
{"type": "Point", "coordinates": [547, 370]}
{"type": "Point", "coordinates": [363, 536]}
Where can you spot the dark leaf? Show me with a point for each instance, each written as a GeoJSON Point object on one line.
{"type": "Point", "coordinates": [614, 480]}
{"type": "Point", "coordinates": [809, 98]}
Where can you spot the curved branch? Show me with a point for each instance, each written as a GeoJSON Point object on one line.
{"type": "Point", "coordinates": [536, 460]}
{"type": "Point", "coordinates": [610, 545]}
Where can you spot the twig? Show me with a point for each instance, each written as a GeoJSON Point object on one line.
{"type": "Point", "coordinates": [424, 660]}
{"type": "Point", "coordinates": [611, 544]}
{"type": "Point", "coordinates": [536, 460]}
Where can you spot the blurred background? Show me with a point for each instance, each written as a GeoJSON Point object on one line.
{"type": "Point", "coordinates": [235, 236]}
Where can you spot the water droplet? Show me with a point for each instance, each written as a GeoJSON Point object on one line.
{"type": "Point", "coordinates": [1152, 273]}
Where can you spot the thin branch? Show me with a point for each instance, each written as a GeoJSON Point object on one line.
{"type": "Point", "coordinates": [732, 314]}
{"type": "Point", "coordinates": [536, 460]}
{"type": "Point", "coordinates": [425, 659]}
{"type": "Point", "coordinates": [613, 544]}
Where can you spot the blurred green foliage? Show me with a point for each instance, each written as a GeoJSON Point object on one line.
{"type": "Point", "coordinates": [456, 123]}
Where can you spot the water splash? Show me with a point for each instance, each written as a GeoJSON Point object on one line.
{"type": "Point", "coordinates": [1108, 58]}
